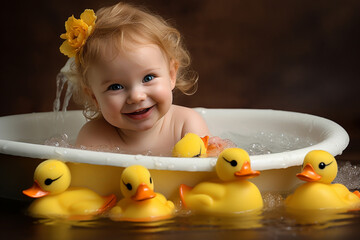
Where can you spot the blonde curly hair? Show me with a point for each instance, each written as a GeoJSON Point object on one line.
{"type": "Point", "coordinates": [115, 26]}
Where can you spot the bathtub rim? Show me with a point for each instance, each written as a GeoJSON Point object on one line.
{"type": "Point", "coordinates": [335, 141]}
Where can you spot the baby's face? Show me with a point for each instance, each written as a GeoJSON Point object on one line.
{"type": "Point", "coordinates": [134, 89]}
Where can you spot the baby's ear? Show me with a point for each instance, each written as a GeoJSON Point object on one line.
{"type": "Point", "coordinates": [174, 66]}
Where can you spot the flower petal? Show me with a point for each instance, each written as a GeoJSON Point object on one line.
{"type": "Point", "coordinates": [88, 16]}
{"type": "Point", "coordinates": [63, 36]}
{"type": "Point", "coordinates": [69, 23]}
{"type": "Point", "coordinates": [67, 50]}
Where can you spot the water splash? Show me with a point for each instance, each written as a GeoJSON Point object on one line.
{"type": "Point", "coordinates": [63, 83]}
{"type": "Point", "coordinates": [61, 80]}
{"type": "Point", "coordinates": [59, 141]}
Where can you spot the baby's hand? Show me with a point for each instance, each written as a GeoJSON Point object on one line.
{"type": "Point", "coordinates": [217, 145]}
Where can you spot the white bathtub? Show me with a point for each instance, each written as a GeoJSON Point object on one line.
{"type": "Point", "coordinates": [21, 150]}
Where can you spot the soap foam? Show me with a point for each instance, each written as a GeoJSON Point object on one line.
{"type": "Point", "coordinates": [268, 142]}
{"type": "Point", "coordinates": [258, 144]}
{"type": "Point", "coordinates": [349, 175]}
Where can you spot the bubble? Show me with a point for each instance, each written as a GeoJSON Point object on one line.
{"type": "Point", "coordinates": [59, 141]}
{"type": "Point", "coordinates": [348, 175]}
{"type": "Point", "coordinates": [264, 142]}
{"type": "Point", "coordinates": [158, 164]}
{"type": "Point", "coordinates": [193, 168]}
{"type": "Point", "coordinates": [138, 156]}
{"type": "Point", "coordinates": [272, 200]}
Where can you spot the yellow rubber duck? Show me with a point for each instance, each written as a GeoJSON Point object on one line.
{"type": "Point", "coordinates": [140, 202]}
{"type": "Point", "coordinates": [319, 170]}
{"type": "Point", "coordinates": [191, 145]}
{"type": "Point", "coordinates": [231, 194]}
{"type": "Point", "coordinates": [55, 199]}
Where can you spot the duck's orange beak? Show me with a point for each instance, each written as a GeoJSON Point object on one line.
{"type": "Point", "coordinates": [143, 192]}
{"type": "Point", "coordinates": [308, 174]}
{"type": "Point", "coordinates": [246, 172]}
{"type": "Point", "coordinates": [35, 191]}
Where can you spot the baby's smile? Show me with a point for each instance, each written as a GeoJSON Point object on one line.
{"type": "Point", "coordinates": [140, 114]}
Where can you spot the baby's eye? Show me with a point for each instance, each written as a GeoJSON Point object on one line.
{"type": "Point", "coordinates": [115, 87]}
{"type": "Point", "coordinates": [148, 78]}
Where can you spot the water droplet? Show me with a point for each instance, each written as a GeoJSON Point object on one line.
{"type": "Point", "coordinates": [58, 152]}
{"type": "Point", "coordinates": [138, 157]}
{"type": "Point", "coordinates": [213, 162]}
{"type": "Point", "coordinates": [158, 164]}
{"type": "Point", "coordinates": [194, 168]}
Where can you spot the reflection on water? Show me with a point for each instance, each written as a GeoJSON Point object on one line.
{"type": "Point", "coordinates": [321, 219]}
{"type": "Point", "coordinates": [272, 223]}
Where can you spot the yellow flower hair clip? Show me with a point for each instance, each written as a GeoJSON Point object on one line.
{"type": "Point", "coordinates": [77, 31]}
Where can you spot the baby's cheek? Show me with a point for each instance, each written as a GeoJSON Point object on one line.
{"type": "Point", "coordinates": [162, 94]}
{"type": "Point", "coordinates": [110, 108]}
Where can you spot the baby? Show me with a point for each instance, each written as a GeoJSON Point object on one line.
{"type": "Point", "coordinates": [129, 62]}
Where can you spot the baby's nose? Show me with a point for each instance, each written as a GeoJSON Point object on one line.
{"type": "Point", "coordinates": [136, 96]}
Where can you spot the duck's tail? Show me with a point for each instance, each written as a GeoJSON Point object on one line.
{"type": "Point", "coordinates": [357, 193]}
{"type": "Point", "coordinates": [183, 190]}
{"type": "Point", "coordinates": [110, 202]}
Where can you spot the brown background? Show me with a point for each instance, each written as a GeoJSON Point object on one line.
{"type": "Point", "coordinates": [288, 55]}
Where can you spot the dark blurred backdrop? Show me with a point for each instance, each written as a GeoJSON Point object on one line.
{"type": "Point", "coordinates": [289, 55]}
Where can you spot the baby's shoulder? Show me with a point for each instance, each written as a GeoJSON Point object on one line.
{"type": "Point", "coordinates": [183, 115]}
{"type": "Point", "coordinates": [181, 112]}
{"type": "Point", "coordinates": [190, 120]}
{"type": "Point", "coordinates": [94, 133]}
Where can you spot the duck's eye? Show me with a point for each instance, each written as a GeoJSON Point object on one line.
{"type": "Point", "coordinates": [49, 181]}
{"type": "Point", "coordinates": [322, 165]}
{"type": "Point", "coordinates": [128, 186]}
{"type": "Point", "coordinates": [232, 162]}
{"type": "Point", "coordinates": [150, 180]}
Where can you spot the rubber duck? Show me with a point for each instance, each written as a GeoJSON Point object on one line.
{"type": "Point", "coordinates": [191, 145]}
{"type": "Point", "coordinates": [231, 193]}
{"type": "Point", "coordinates": [140, 202]}
{"type": "Point", "coordinates": [319, 169]}
{"type": "Point", "coordinates": [54, 197]}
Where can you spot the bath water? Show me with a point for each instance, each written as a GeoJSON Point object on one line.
{"type": "Point", "coordinates": [258, 144]}
{"type": "Point", "coordinates": [264, 142]}
{"type": "Point", "coordinates": [272, 223]}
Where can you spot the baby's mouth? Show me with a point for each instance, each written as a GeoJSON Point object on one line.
{"type": "Point", "coordinates": [139, 112]}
